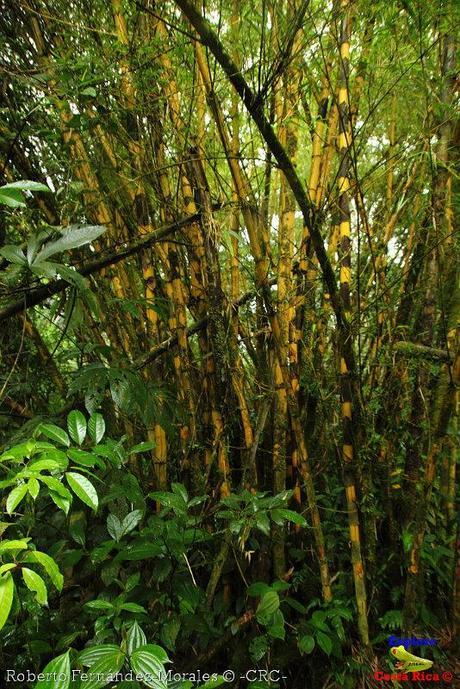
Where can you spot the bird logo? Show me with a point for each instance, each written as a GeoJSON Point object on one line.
{"type": "Point", "coordinates": [407, 662]}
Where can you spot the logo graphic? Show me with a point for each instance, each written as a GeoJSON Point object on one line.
{"type": "Point", "coordinates": [407, 662]}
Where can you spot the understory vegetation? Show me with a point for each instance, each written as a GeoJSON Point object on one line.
{"type": "Point", "coordinates": [229, 327]}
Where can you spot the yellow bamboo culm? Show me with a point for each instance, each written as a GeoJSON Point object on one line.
{"type": "Point", "coordinates": [345, 139]}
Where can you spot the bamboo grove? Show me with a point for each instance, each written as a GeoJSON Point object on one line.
{"type": "Point", "coordinates": [274, 301]}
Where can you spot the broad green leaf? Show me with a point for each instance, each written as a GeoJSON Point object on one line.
{"type": "Point", "coordinates": [48, 564]}
{"type": "Point", "coordinates": [6, 567]}
{"type": "Point", "coordinates": [33, 487]}
{"type": "Point", "coordinates": [44, 269]}
{"type": "Point", "coordinates": [142, 447]}
{"type": "Point", "coordinates": [14, 545]}
{"type": "Point", "coordinates": [60, 501]}
{"type": "Point", "coordinates": [12, 198]}
{"type": "Point", "coordinates": [15, 497]}
{"type": "Point", "coordinates": [100, 552]}
{"type": "Point", "coordinates": [56, 486]}
{"type": "Point", "coordinates": [318, 620]}
{"type": "Point", "coordinates": [258, 588]}
{"type": "Point", "coordinates": [89, 91]}
{"type": "Point", "coordinates": [99, 604]}
{"type": "Point", "coordinates": [176, 502]}
{"type": "Point", "coordinates": [306, 643]}
{"type": "Point", "coordinates": [146, 661]}
{"type": "Point", "coordinates": [71, 276]}
{"type": "Point", "coordinates": [131, 521]}
{"type": "Point", "coordinates": [114, 527]}
{"type": "Point", "coordinates": [26, 185]}
{"type": "Point", "coordinates": [281, 515]}
{"type": "Point", "coordinates": [55, 433]}
{"type": "Point", "coordinates": [19, 451]}
{"type": "Point", "coordinates": [170, 632]}
{"type": "Point", "coordinates": [86, 459]}
{"type": "Point", "coordinates": [132, 581]}
{"type": "Point", "coordinates": [73, 236]}
{"type": "Point", "coordinates": [157, 651]}
{"type": "Point", "coordinates": [135, 638]}
{"type": "Point", "coordinates": [57, 674]}
{"type": "Point", "coordinates": [44, 465]}
{"type": "Point", "coordinates": [280, 585]}
{"type": "Point", "coordinates": [132, 607]}
{"type": "Point", "coordinates": [6, 597]}
{"type": "Point", "coordinates": [35, 583]}
{"type": "Point", "coordinates": [324, 642]}
{"type": "Point", "coordinates": [268, 605]}
{"type": "Point", "coordinates": [103, 671]}
{"type": "Point", "coordinates": [58, 456]}
{"type": "Point", "coordinates": [141, 551]}
{"type": "Point", "coordinates": [3, 527]}
{"type": "Point", "coordinates": [276, 627]}
{"type": "Point", "coordinates": [13, 254]}
{"type": "Point", "coordinates": [96, 427]}
{"type": "Point", "coordinates": [76, 425]}
{"type": "Point", "coordinates": [83, 489]}
{"type": "Point", "coordinates": [263, 523]}
{"type": "Point", "coordinates": [93, 654]}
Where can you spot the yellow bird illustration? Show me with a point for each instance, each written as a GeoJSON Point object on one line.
{"type": "Point", "coordinates": [408, 662]}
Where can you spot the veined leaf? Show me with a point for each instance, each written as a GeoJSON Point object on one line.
{"type": "Point", "coordinates": [281, 515]}
{"type": "Point", "coordinates": [12, 198]}
{"type": "Point", "coordinates": [102, 672]}
{"type": "Point", "coordinates": [57, 456]}
{"type": "Point", "coordinates": [73, 236]}
{"type": "Point", "coordinates": [76, 425]}
{"type": "Point", "coordinates": [93, 654]}
{"type": "Point", "coordinates": [306, 643]}
{"type": "Point", "coordinates": [83, 489]}
{"type": "Point", "coordinates": [15, 497]}
{"type": "Point", "coordinates": [33, 487]}
{"type": "Point", "coordinates": [26, 185]}
{"type": "Point", "coordinates": [55, 433]}
{"type": "Point", "coordinates": [131, 521]}
{"type": "Point", "coordinates": [132, 607]}
{"type": "Point", "coordinates": [114, 527]}
{"type": "Point", "coordinates": [142, 447]}
{"type": "Point", "coordinates": [96, 427]}
{"type": "Point", "coordinates": [86, 459]}
{"type": "Point", "coordinates": [135, 638]}
{"type": "Point", "coordinates": [35, 583]}
{"type": "Point", "coordinates": [324, 642]}
{"type": "Point", "coordinates": [43, 465]}
{"type": "Point", "coordinates": [99, 604]}
{"type": "Point", "coordinates": [14, 545]}
{"type": "Point", "coordinates": [146, 661]}
{"type": "Point", "coordinates": [268, 605]}
{"type": "Point", "coordinates": [48, 564]}
{"type": "Point", "coordinates": [13, 254]}
{"type": "Point", "coordinates": [60, 501]}
{"type": "Point", "coordinates": [6, 597]}
{"type": "Point", "coordinates": [56, 486]}
{"type": "Point", "coordinates": [57, 674]}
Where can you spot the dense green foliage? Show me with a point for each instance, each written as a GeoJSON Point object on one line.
{"type": "Point", "coordinates": [229, 327]}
